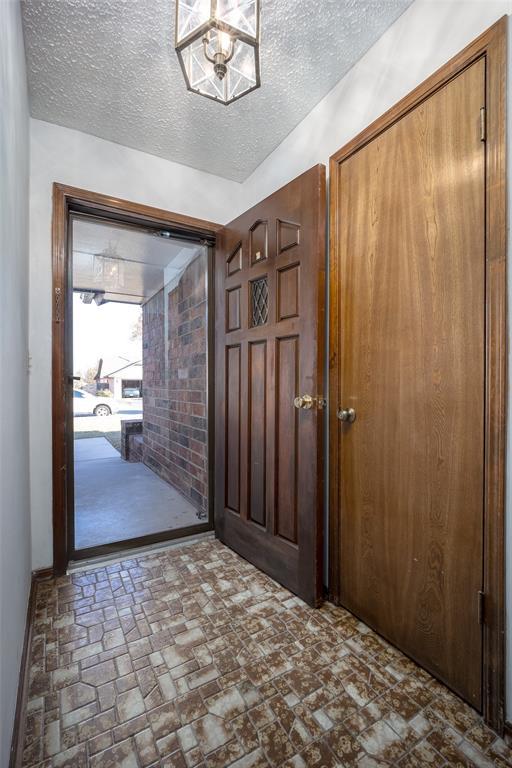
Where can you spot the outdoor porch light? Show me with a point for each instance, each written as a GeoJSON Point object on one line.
{"type": "Point", "coordinates": [217, 42]}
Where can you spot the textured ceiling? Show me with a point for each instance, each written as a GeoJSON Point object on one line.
{"type": "Point", "coordinates": [108, 68]}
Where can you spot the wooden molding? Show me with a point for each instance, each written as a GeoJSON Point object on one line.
{"type": "Point", "coordinates": [68, 199]}
{"type": "Point", "coordinates": [42, 574]}
{"type": "Point", "coordinates": [492, 40]}
{"type": "Point", "coordinates": [144, 213]}
{"type": "Point", "coordinates": [18, 731]}
{"type": "Point", "coordinates": [491, 45]}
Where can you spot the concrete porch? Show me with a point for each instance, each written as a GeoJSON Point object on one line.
{"type": "Point", "coordinates": [116, 500]}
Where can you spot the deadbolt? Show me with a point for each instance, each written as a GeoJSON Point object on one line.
{"type": "Point", "coordinates": [347, 415]}
{"type": "Point", "coordinates": [304, 401]}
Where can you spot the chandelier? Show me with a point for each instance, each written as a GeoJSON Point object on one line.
{"type": "Point", "coordinates": [217, 42]}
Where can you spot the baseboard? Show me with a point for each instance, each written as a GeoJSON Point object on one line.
{"type": "Point", "coordinates": [18, 731]}
{"type": "Point", "coordinates": [507, 732]}
{"type": "Point", "coordinates": [42, 573]}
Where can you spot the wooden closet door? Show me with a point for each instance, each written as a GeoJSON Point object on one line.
{"type": "Point", "coordinates": [269, 340]}
{"type": "Point", "coordinates": [411, 255]}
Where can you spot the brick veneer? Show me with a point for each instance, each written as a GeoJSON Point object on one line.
{"type": "Point", "coordinates": [130, 448]}
{"type": "Point", "coordinates": [175, 380]}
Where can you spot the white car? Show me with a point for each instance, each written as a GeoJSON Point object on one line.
{"type": "Point", "coordinates": [85, 404]}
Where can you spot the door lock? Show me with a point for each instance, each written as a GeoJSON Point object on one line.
{"type": "Point", "coordinates": [307, 401]}
{"type": "Point", "coordinates": [304, 401]}
{"type": "Point", "coordinates": [347, 415]}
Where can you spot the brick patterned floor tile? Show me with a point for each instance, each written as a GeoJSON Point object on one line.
{"type": "Point", "coordinates": [192, 658]}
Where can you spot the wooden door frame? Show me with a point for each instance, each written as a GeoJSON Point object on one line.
{"type": "Point", "coordinates": [492, 45]}
{"type": "Point", "coordinates": [66, 201]}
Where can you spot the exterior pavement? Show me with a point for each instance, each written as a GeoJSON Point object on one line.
{"type": "Point", "coordinates": [116, 500]}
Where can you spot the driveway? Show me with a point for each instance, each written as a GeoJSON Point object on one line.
{"type": "Point", "coordinates": [107, 426]}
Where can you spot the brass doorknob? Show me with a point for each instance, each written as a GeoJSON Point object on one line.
{"type": "Point", "coordinates": [347, 415]}
{"type": "Point", "coordinates": [304, 401]}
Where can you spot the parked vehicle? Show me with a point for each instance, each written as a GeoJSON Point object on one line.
{"type": "Point", "coordinates": [131, 392]}
{"type": "Point", "coordinates": [85, 404]}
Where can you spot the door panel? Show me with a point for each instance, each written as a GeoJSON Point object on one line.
{"type": "Point", "coordinates": [287, 376]}
{"type": "Point", "coordinates": [411, 254]}
{"type": "Point", "coordinates": [270, 270]}
{"type": "Point", "coordinates": [257, 432]}
{"type": "Point", "coordinates": [232, 429]}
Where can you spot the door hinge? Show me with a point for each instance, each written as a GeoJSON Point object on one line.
{"type": "Point", "coordinates": [481, 607]}
{"type": "Point", "coordinates": [483, 124]}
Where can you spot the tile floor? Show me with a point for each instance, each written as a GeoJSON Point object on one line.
{"type": "Point", "coordinates": [192, 657]}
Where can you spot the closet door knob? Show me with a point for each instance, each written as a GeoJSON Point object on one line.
{"type": "Point", "coordinates": [347, 415]}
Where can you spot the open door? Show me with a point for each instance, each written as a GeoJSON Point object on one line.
{"type": "Point", "coordinates": [269, 389]}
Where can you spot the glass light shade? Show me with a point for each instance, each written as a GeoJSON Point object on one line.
{"type": "Point", "coordinates": [239, 14]}
{"type": "Point", "coordinates": [191, 15]}
{"type": "Point", "coordinates": [217, 42]}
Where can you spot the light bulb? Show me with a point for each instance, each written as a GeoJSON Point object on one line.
{"type": "Point", "coordinates": [224, 43]}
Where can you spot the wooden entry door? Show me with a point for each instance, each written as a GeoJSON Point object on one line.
{"type": "Point", "coordinates": [410, 250]}
{"type": "Point", "coordinates": [269, 337]}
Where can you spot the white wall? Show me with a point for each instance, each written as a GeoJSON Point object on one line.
{"type": "Point", "coordinates": [75, 158]}
{"type": "Point", "coordinates": [14, 472]}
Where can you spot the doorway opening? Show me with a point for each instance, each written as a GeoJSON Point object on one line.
{"type": "Point", "coordinates": [132, 329]}
{"type": "Point", "coordinates": [140, 383]}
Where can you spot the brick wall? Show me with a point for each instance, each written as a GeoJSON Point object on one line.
{"type": "Point", "coordinates": [175, 379]}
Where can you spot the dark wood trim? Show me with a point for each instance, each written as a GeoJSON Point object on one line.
{"type": "Point", "coordinates": [210, 398]}
{"type": "Point", "coordinates": [334, 546]}
{"type": "Point", "coordinates": [496, 379]}
{"type": "Point", "coordinates": [18, 731]}
{"type": "Point", "coordinates": [489, 42]}
{"type": "Point", "coordinates": [320, 225]}
{"type": "Point", "coordinates": [491, 45]}
{"type": "Point", "coordinates": [59, 416]}
{"type": "Point", "coordinates": [42, 574]}
{"type": "Point", "coordinates": [135, 212]}
{"type": "Point", "coordinates": [67, 200]}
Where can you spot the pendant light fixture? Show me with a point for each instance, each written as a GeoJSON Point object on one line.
{"type": "Point", "coordinates": [217, 42]}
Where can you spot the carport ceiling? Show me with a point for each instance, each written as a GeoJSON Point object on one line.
{"type": "Point", "coordinates": [108, 68]}
{"type": "Point", "coordinates": [126, 264]}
